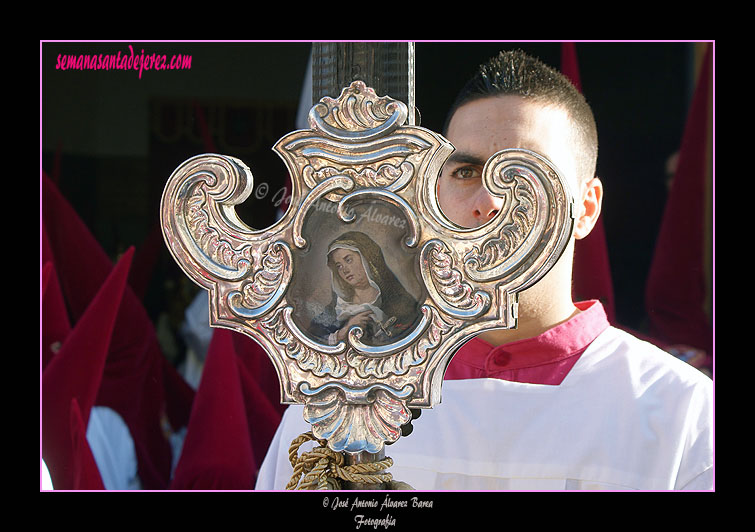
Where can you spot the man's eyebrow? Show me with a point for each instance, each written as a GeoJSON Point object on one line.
{"type": "Point", "coordinates": [458, 157]}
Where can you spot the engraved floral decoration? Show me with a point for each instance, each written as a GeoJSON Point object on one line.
{"type": "Point", "coordinates": [455, 295]}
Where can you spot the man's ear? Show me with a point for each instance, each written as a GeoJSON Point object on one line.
{"type": "Point", "coordinates": [588, 207]}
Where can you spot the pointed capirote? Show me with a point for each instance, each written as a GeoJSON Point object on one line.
{"type": "Point", "coordinates": [76, 371]}
{"type": "Point", "coordinates": [679, 288]}
{"type": "Point", "coordinates": [137, 372]}
{"type": "Point", "coordinates": [217, 450]}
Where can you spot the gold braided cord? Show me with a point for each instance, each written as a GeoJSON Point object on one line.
{"type": "Point", "coordinates": [324, 469]}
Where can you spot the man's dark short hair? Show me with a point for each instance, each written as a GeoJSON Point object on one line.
{"type": "Point", "coordinates": [518, 74]}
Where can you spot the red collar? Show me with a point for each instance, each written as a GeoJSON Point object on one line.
{"type": "Point", "coordinates": [544, 359]}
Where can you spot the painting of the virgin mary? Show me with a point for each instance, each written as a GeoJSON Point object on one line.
{"type": "Point", "coordinates": [365, 293]}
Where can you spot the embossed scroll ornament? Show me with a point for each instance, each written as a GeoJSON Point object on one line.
{"type": "Point", "coordinates": [364, 289]}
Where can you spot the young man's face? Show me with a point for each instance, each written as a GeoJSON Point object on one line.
{"type": "Point", "coordinates": [484, 127]}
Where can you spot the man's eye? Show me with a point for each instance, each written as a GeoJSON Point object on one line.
{"type": "Point", "coordinates": [466, 172]}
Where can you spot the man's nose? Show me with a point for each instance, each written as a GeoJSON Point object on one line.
{"type": "Point", "coordinates": [485, 206]}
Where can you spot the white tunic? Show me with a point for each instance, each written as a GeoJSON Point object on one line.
{"type": "Point", "coordinates": [627, 416]}
{"type": "Point", "coordinates": [112, 446]}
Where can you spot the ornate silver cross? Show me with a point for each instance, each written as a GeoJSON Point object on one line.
{"type": "Point", "coordinates": [362, 292]}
